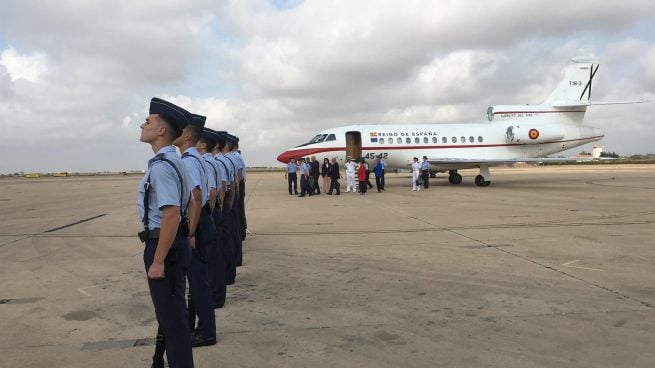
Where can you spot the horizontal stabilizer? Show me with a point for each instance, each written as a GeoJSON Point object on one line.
{"type": "Point", "coordinates": [598, 103]}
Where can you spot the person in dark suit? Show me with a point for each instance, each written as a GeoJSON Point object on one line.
{"type": "Point", "coordinates": [315, 172]}
{"type": "Point", "coordinates": [335, 175]}
{"type": "Point", "coordinates": [325, 173]}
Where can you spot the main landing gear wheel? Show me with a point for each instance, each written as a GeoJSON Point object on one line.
{"type": "Point", "coordinates": [479, 181]}
{"type": "Point", "coordinates": [454, 178]}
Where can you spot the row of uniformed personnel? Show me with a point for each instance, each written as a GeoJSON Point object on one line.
{"type": "Point", "coordinates": [192, 209]}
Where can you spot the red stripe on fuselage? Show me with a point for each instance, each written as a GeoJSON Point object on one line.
{"type": "Point", "coordinates": [305, 152]}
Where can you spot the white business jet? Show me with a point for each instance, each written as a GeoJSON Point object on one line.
{"type": "Point", "coordinates": [511, 134]}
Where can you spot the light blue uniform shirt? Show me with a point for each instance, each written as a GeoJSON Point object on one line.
{"type": "Point", "coordinates": [425, 165]}
{"type": "Point", "coordinates": [228, 166]}
{"type": "Point", "coordinates": [242, 163]}
{"type": "Point", "coordinates": [213, 174]}
{"type": "Point", "coordinates": [222, 172]}
{"type": "Point", "coordinates": [195, 167]}
{"type": "Point", "coordinates": [164, 187]}
{"type": "Point", "coordinates": [304, 169]}
{"type": "Point", "coordinates": [236, 162]}
{"type": "Point", "coordinates": [292, 167]}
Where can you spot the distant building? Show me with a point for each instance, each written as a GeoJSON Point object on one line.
{"type": "Point", "coordinates": [596, 151]}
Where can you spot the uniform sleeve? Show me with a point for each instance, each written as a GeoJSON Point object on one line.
{"type": "Point", "coordinates": [165, 183]}
{"type": "Point", "coordinates": [192, 173]}
{"type": "Point", "coordinates": [221, 172]}
{"type": "Point", "coordinates": [211, 175]}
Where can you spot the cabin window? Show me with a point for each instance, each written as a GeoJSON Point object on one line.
{"type": "Point", "coordinates": [463, 139]}
{"type": "Point", "coordinates": [399, 140]}
{"type": "Point", "coordinates": [480, 139]}
{"type": "Point", "coordinates": [381, 140]}
{"type": "Point", "coordinates": [417, 140]}
{"type": "Point", "coordinates": [434, 140]}
{"type": "Point", "coordinates": [332, 137]}
{"type": "Point", "coordinates": [471, 139]}
{"type": "Point", "coordinates": [425, 139]}
{"type": "Point", "coordinates": [454, 139]}
{"type": "Point", "coordinates": [408, 140]}
{"type": "Point", "coordinates": [444, 140]}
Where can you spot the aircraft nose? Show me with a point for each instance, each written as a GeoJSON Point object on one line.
{"type": "Point", "coordinates": [284, 157]}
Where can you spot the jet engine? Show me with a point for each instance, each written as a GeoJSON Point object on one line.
{"type": "Point", "coordinates": [529, 134]}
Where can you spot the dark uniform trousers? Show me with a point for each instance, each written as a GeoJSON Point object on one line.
{"type": "Point", "coordinates": [304, 186]}
{"type": "Point", "coordinates": [242, 208]}
{"type": "Point", "coordinates": [426, 178]}
{"type": "Point", "coordinates": [236, 231]}
{"type": "Point", "coordinates": [293, 178]}
{"type": "Point", "coordinates": [215, 259]}
{"type": "Point", "coordinates": [382, 181]}
{"type": "Point", "coordinates": [168, 298]}
{"type": "Point", "coordinates": [226, 243]}
{"type": "Point", "coordinates": [199, 278]}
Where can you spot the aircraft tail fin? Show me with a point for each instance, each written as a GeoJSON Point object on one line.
{"type": "Point", "coordinates": [575, 88]}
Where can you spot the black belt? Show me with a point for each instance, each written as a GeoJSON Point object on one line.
{"type": "Point", "coordinates": [148, 234]}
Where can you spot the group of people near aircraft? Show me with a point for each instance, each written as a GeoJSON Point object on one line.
{"type": "Point", "coordinates": [191, 205]}
{"type": "Point", "coordinates": [311, 172]}
{"type": "Point", "coordinates": [357, 175]}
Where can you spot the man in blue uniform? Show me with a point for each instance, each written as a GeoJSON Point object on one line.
{"type": "Point", "coordinates": [291, 176]}
{"type": "Point", "coordinates": [425, 172]}
{"type": "Point", "coordinates": [201, 233]}
{"type": "Point", "coordinates": [304, 176]}
{"type": "Point", "coordinates": [242, 189]}
{"type": "Point", "coordinates": [216, 263]}
{"type": "Point", "coordinates": [163, 195]}
{"type": "Point", "coordinates": [231, 142]}
{"type": "Point", "coordinates": [227, 239]}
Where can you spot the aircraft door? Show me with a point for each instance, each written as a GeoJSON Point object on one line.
{"type": "Point", "coordinates": [354, 144]}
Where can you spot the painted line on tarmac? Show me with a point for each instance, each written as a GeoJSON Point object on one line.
{"type": "Point", "coordinates": [568, 264]}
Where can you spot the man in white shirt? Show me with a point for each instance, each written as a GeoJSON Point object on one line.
{"type": "Point", "coordinates": [351, 172]}
{"type": "Point", "coordinates": [416, 168]}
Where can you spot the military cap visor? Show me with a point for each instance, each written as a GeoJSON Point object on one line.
{"type": "Point", "coordinates": [209, 134]}
{"type": "Point", "coordinates": [198, 120]}
{"type": "Point", "coordinates": [176, 115]}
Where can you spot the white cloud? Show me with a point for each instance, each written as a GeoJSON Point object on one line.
{"type": "Point", "coordinates": [275, 77]}
{"type": "Point", "coordinates": [29, 67]}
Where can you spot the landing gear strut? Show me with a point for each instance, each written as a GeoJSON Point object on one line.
{"type": "Point", "coordinates": [454, 177]}
{"type": "Point", "coordinates": [481, 180]}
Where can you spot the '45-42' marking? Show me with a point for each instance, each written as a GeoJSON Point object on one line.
{"type": "Point", "coordinates": [373, 155]}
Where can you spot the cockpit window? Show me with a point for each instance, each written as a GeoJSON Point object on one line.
{"type": "Point", "coordinates": [320, 138]}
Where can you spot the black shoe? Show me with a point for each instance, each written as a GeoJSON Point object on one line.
{"type": "Point", "coordinates": [296, 193]}
{"type": "Point", "coordinates": [198, 341]}
{"type": "Point", "coordinates": [219, 305]}
{"type": "Point", "coordinates": [229, 282]}
{"type": "Point", "coordinates": [329, 193]}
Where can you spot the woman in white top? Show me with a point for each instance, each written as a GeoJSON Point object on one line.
{"type": "Point", "coordinates": [416, 169]}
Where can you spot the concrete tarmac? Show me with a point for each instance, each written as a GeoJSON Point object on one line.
{"type": "Point", "coordinates": [549, 266]}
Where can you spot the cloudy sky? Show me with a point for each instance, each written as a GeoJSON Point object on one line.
{"type": "Point", "coordinates": [76, 76]}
